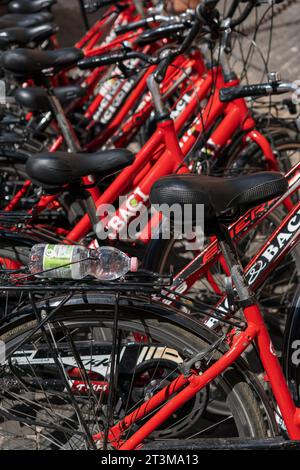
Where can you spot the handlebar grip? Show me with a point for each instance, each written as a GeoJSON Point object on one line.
{"type": "Point", "coordinates": [101, 60]}
{"type": "Point", "coordinates": [153, 35]}
{"type": "Point", "coordinates": [127, 28]}
{"type": "Point", "coordinates": [106, 3]}
{"type": "Point", "coordinates": [235, 92]}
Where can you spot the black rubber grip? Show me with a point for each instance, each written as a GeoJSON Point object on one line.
{"type": "Point", "coordinates": [161, 32]}
{"type": "Point", "coordinates": [235, 92]}
{"type": "Point", "coordinates": [101, 60]}
{"type": "Point", "coordinates": [126, 28]}
{"type": "Point", "coordinates": [105, 3]}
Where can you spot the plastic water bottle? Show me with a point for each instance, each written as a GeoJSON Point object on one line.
{"type": "Point", "coordinates": [77, 262]}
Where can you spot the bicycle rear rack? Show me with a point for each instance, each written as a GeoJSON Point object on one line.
{"type": "Point", "coordinates": [277, 443]}
{"type": "Point", "coordinates": [140, 282]}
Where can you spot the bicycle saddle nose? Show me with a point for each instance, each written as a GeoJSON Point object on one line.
{"type": "Point", "coordinates": [25, 21]}
{"type": "Point", "coordinates": [36, 98]}
{"type": "Point", "coordinates": [29, 6]}
{"type": "Point", "coordinates": [30, 63]}
{"type": "Point", "coordinates": [21, 36]}
{"type": "Point", "coordinates": [54, 170]}
{"type": "Point", "coordinates": [219, 195]}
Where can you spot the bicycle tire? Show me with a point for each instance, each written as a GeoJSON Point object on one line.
{"type": "Point", "coordinates": [246, 402]}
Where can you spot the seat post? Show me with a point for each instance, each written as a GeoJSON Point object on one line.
{"type": "Point", "coordinates": [70, 137]}
{"type": "Point", "coordinates": [88, 204]}
{"type": "Point", "coordinates": [67, 130]}
{"type": "Point", "coordinates": [239, 281]}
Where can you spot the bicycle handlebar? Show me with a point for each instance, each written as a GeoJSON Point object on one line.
{"type": "Point", "coordinates": [163, 62]}
{"type": "Point", "coordinates": [153, 35]}
{"type": "Point", "coordinates": [205, 13]}
{"type": "Point", "coordinates": [161, 70]}
{"type": "Point", "coordinates": [244, 15]}
{"type": "Point", "coordinates": [263, 89]}
{"type": "Point", "coordinates": [113, 58]}
{"type": "Point", "coordinates": [127, 28]}
{"type": "Point", "coordinates": [99, 61]}
{"type": "Point", "coordinates": [155, 18]}
{"type": "Point", "coordinates": [123, 55]}
{"type": "Point", "coordinates": [208, 13]}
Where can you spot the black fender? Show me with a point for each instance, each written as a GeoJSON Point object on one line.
{"type": "Point", "coordinates": [16, 246]}
{"type": "Point", "coordinates": [12, 239]}
{"type": "Point", "coordinates": [291, 349]}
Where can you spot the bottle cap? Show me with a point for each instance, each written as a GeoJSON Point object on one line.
{"type": "Point", "coordinates": [134, 265]}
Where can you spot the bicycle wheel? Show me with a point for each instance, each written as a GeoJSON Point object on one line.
{"type": "Point", "coordinates": [12, 258]}
{"type": "Point", "coordinates": [291, 348]}
{"type": "Point", "coordinates": [53, 386]}
{"type": "Point", "coordinates": [285, 143]}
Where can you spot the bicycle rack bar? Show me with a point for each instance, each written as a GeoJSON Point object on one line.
{"type": "Point", "coordinates": [276, 443]}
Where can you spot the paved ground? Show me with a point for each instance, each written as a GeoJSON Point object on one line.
{"type": "Point", "coordinates": [285, 46]}
{"type": "Point", "coordinates": [285, 54]}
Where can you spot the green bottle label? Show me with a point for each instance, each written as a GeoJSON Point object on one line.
{"type": "Point", "coordinates": [59, 257]}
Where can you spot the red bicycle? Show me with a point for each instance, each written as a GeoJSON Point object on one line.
{"type": "Point", "coordinates": [140, 363]}
{"type": "Point", "coordinates": [130, 372]}
{"type": "Point", "coordinates": [163, 153]}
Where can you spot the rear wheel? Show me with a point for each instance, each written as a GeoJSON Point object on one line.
{"type": "Point", "coordinates": [39, 412]}
{"type": "Point", "coordinates": [12, 259]}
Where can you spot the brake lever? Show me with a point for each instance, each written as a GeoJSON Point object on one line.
{"type": "Point", "coordinates": [163, 65]}
{"type": "Point", "coordinates": [208, 14]}
{"type": "Point", "coordinates": [126, 71]}
{"type": "Point", "coordinates": [162, 68]}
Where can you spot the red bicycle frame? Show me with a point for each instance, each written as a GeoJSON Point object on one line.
{"type": "Point", "coordinates": [163, 154]}
{"type": "Point", "coordinates": [260, 267]}
{"type": "Point", "coordinates": [137, 95]}
{"type": "Point", "coordinates": [173, 77]}
{"type": "Point", "coordinates": [144, 172]}
{"type": "Point", "coordinates": [183, 388]}
{"type": "Point", "coordinates": [102, 28]}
